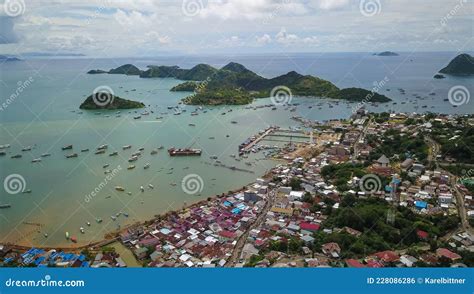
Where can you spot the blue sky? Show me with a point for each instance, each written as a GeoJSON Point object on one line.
{"type": "Point", "coordinates": [112, 28]}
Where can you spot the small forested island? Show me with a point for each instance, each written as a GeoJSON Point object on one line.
{"type": "Point", "coordinates": [462, 64]}
{"type": "Point", "coordinates": [97, 71]}
{"type": "Point", "coordinates": [109, 102]}
{"type": "Point", "coordinates": [126, 69]}
{"type": "Point", "coordinates": [386, 53]}
{"type": "Point", "coordinates": [235, 84]}
{"type": "Point", "coordinates": [9, 58]}
{"type": "Point", "coordinates": [439, 76]}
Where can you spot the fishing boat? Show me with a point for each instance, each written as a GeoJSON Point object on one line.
{"type": "Point", "coordinates": [151, 186]}
{"type": "Point", "coordinates": [74, 239]}
{"type": "Point", "coordinates": [142, 189]}
{"type": "Point", "coordinates": [100, 151]}
{"type": "Point", "coordinates": [88, 224]}
{"type": "Point", "coordinates": [126, 147]}
{"type": "Point", "coordinates": [26, 148]}
{"type": "Point", "coordinates": [16, 156]}
{"type": "Point", "coordinates": [45, 235]}
{"type": "Point", "coordinates": [67, 147]}
{"type": "Point", "coordinates": [161, 147]}
{"type": "Point", "coordinates": [82, 230]}
{"type": "Point", "coordinates": [137, 117]}
{"type": "Point", "coordinates": [131, 167]}
{"type": "Point", "coordinates": [125, 214]}
{"type": "Point", "coordinates": [28, 191]}
{"type": "Point", "coordinates": [5, 146]}
{"type": "Point", "coordinates": [36, 160]}
{"type": "Point", "coordinates": [154, 151]}
{"type": "Point", "coordinates": [45, 154]}
{"type": "Point", "coordinates": [113, 217]}
{"type": "Point", "coordinates": [85, 150]}
{"type": "Point", "coordinates": [119, 188]}
{"type": "Point", "coordinates": [98, 220]}
{"type": "Point", "coordinates": [184, 152]}
{"type": "Point", "coordinates": [147, 165]}
{"type": "Point", "coordinates": [233, 122]}
{"type": "Point", "coordinates": [71, 155]}
{"type": "Point", "coordinates": [67, 235]}
{"type": "Point", "coordinates": [5, 205]}
{"type": "Point", "coordinates": [192, 125]}
{"type": "Point", "coordinates": [2, 153]}
{"type": "Point", "coordinates": [133, 158]}
{"type": "Point", "coordinates": [113, 153]}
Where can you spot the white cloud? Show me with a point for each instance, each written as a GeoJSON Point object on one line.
{"type": "Point", "coordinates": [263, 40]}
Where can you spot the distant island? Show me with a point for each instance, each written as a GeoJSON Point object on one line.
{"type": "Point", "coordinates": [126, 69]}
{"type": "Point", "coordinates": [386, 53]}
{"type": "Point", "coordinates": [114, 102]}
{"type": "Point", "coordinates": [439, 76]}
{"type": "Point", "coordinates": [234, 84]}
{"type": "Point", "coordinates": [462, 64]}
{"type": "Point", "coordinates": [9, 58]}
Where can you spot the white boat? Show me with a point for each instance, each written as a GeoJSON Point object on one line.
{"type": "Point", "coordinates": [81, 229]}
{"type": "Point", "coordinates": [105, 165]}
{"type": "Point", "coordinates": [126, 147]}
{"type": "Point", "coordinates": [67, 235]}
{"type": "Point", "coordinates": [113, 217]}
{"type": "Point", "coordinates": [151, 186]}
{"type": "Point", "coordinates": [45, 154]}
{"type": "Point", "coordinates": [131, 167]}
{"type": "Point", "coordinates": [154, 151]}
{"type": "Point", "coordinates": [36, 160]}
{"type": "Point", "coordinates": [26, 148]}
{"type": "Point", "coordinates": [147, 165]}
{"type": "Point", "coordinates": [142, 189]}
{"type": "Point", "coordinates": [119, 188]}
{"type": "Point", "coordinates": [88, 224]}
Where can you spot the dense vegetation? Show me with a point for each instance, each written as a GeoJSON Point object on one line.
{"type": "Point", "coordinates": [339, 174]}
{"type": "Point", "coordinates": [456, 140]}
{"type": "Point", "coordinates": [393, 143]}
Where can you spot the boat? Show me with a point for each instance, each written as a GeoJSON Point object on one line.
{"type": "Point", "coordinates": [184, 152]}
{"type": "Point", "coordinates": [26, 148]}
{"type": "Point", "coordinates": [161, 147]}
{"type": "Point", "coordinates": [5, 205]}
{"type": "Point", "coordinates": [81, 229]}
{"type": "Point", "coordinates": [27, 191]}
{"type": "Point", "coordinates": [45, 154]}
{"type": "Point", "coordinates": [98, 220]}
{"type": "Point", "coordinates": [151, 186]}
{"type": "Point", "coordinates": [100, 151]}
{"type": "Point", "coordinates": [45, 235]}
{"type": "Point", "coordinates": [74, 239]}
{"type": "Point", "coordinates": [131, 167]}
{"type": "Point", "coordinates": [85, 150]}
{"type": "Point", "coordinates": [192, 125]}
{"type": "Point", "coordinates": [16, 156]}
{"type": "Point", "coordinates": [2, 153]}
{"type": "Point", "coordinates": [119, 188]}
{"type": "Point", "coordinates": [67, 235]}
{"type": "Point", "coordinates": [137, 117]}
{"type": "Point", "coordinates": [36, 160]}
{"type": "Point", "coordinates": [113, 153]}
{"type": "Point", "coordinates": [133, 158]}
{"type": "Point", "coordinates": [88, 224]}
{"type": "Point", "coordinates": [5, 146]}
{"type": "Point", "coordinates": [142, 189]}
{"type": "Point", "coordinates": [72, 155]}
{"type": "Point", "coordinates": [154, 151]}
{"type": "Point", "coordinates": [147, 165]}
{"type": "Point", "coordinates": [67, 147]}
{"type": "Point", "coordinates": [113, 217]}
{"type": "Point", "coordinates": [126, 147]}
{"type": "Point", "coordinates": [125, 214]}
{"type": "Point", "coordinates": [233, 122]}
{"type": "Point", "coordinates": [105, 165]}
{"type": "Point", "coordinates": [101, 147]}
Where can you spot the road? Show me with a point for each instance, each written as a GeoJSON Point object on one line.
{"type": "Point", "coordinates": [361, 137]}
{"type": "Point", "coordinates": [243, 238]}
{"type": "Point", "coordinates": [432, 157]}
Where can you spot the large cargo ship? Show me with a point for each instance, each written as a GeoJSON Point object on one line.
{"type": "Point", "coordinates": [184, 152]}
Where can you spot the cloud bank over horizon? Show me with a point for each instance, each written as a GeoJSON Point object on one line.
{"type": "Point", "coordinates": [112, 28]}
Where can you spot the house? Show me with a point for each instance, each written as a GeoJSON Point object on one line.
{"type": "Point", "coordinates": [311, 227]}
{"type": "Point", "coordinates": [421, 205]}
{"type": "Point", "coordinates": [446, 253]}
{"type": "Point", "coordinates": [408, 260]}
{"type": "Point", "coordinates": [331, 249]}
{"type": "Point", "coordinates": [251, 196]}
{"type": "Point", "coordinates": [383, 161]}
{"type": "Point", "coordinates": [354, 263]}
{"type": "Point", "coordinates": [387, 256]}
{"type": "Point", "coordinates": [406, 164]}
{"type": "Point", "coordinates": [422, 234]}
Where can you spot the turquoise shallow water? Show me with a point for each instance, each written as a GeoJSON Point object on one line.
{"type": "Point", "coordinates": [42, 117]}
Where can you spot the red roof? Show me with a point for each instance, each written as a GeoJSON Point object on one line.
{"type": "Point", "coordinates": [227, 234]}
{"type": "Point", "coordinates": [447, 253]}
{"type": "Point", "coordinates": [354, 263]}
{"type": "Point", "coordinates": [422, 234]}
{"type": "Point", "coordinates": [387, 256]}
{"type": "Point", "coordinates": [309, 226]}
{"type": "Point", "coordinates": [373, 263]}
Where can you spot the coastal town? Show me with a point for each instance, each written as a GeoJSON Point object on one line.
{"type": "Point", "coordinates": [375, 190]}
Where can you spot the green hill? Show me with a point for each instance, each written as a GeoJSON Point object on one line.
{"type": "Point", "coordinates": [462, 64]}
{"type": "Point", "coordinates": [126, 69]}
{"type": "Point", "coordinates": [109, 101]}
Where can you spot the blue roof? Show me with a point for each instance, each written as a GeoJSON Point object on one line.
{"type": "Point", "coordinates": [236, 211]}
{"type": "Point", "coordinates": [421, 204]}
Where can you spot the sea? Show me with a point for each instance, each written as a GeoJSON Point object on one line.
{"type": "Point", "coordinates": [39, 108]}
